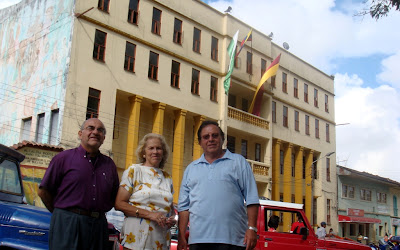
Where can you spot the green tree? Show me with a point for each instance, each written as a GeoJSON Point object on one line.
{"type": "Point", "coordinates": [380, 8]}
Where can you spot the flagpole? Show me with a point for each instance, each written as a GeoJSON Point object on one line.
{"type": "Point", "coordinates": [223, 94]}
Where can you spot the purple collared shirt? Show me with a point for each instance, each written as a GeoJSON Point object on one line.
{"type": "Point", "coordinates": [74, 181]}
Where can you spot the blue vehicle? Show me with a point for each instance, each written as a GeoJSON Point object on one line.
{"type": "Point", "coordinates": [22, 226]}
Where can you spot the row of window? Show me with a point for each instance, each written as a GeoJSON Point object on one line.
{"type": "Point", "coordinates": [129, 65]}
{"type": "Point", "coordinates": [365, 194]}
{"type": "Point", "coordinates": [231, 144]}
{"type": "Point", "coordinates": [133, 17]}
{"type": "Point", "coordinates": [40, 128]}
{"type": "Point", "coordinates": [285, 122]}
{"type": "Point", "coordinates": [296, 91]}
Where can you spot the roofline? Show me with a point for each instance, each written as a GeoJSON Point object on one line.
{"type": "Point", "coordinates": [281, 204]}
{"type": "Point", "coordinates": [33, 144]}
{"type": "Point", "coordinates": [372, 176]}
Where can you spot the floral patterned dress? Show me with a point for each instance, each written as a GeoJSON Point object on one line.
{"type": "Point", "coordinates": [151, 189]}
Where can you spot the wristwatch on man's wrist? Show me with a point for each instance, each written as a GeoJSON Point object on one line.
{"type": "Point", "coordinates": [253, 228]}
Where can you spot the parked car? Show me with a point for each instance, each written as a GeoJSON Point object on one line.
{"type": "Point", "coordinates": [395, 239]}
{"type": "Point", "coordinates": [285, 240]}
{"type": "Point", "coordinates": [23, 226]}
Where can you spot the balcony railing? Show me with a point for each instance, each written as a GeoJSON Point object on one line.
{"type": "Point", "coordinates": [261, 171]}
{"type": "Point", "coordinates": [242, 116]}
{"type": "Point", "coordinates": [259, 168]}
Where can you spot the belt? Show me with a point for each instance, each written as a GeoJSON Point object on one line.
{"type": "Point", "coordinates": [85, 212]}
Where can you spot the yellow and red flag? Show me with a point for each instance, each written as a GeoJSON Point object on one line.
{"type": "Point", "coordinates": [255, 106]}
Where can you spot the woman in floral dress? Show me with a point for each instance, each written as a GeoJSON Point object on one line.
{"type": "Point", "coordinates": [145, 197]}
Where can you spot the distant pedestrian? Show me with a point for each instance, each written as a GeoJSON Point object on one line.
{"type": "Point", "coordinates": [321, 232]}
{"type": "Point", "coordinates": [359, 237]}
{"type": "Point", "coordinates": [331, 233]}
{"type": "Point", "coordinates": [78, 188]}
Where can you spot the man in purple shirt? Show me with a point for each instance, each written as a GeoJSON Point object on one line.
{"type": "Point", "coordinates": [79, 186]}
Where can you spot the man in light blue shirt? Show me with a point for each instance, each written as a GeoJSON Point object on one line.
{"type": "Point", "coordinates": [212, 195]}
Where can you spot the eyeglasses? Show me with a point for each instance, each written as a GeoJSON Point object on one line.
{"type": "Point", "coordinates": [92, 128]}
{"type": "Point", "coordinates": [207, 137]}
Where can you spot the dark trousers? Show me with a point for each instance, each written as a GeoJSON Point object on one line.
{"type": "Point", "coordinates": [214, 246]}
{"type": "Point", "coordinates": [72, 231]}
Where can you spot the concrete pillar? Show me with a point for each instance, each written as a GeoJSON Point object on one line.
{"type": "Point", "coordinates": [299, 177]}
{"type": "Point", "coordinates": [158, 119]}
{"type": "Point", "coordinates": [179, 145]}
{"type": "Point", "coordinates": [287, 185]}
{"type": "Point", "coordinates": [133, 129]}
{"type": "Point", "coordinates": [197, 150]}
{"type": "Point", "coordinates": [309, 187]}
{"type": "Point", "coordinates": [276, 170]}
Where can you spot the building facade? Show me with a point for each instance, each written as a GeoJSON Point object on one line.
{"type": "Point", "coordinates": [367, 205]}
{"type": "Point", "coordinates": [158, 66]}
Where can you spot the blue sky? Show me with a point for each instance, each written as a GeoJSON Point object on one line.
{"type": "Point", "coordinates": [365, 67]}
{"type": "Point", "coordinates": [364, 56]}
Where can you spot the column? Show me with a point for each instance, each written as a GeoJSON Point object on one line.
{"type": "Point", "coordinates": [197, 150]}
{"type": "Point", "coordinates": [299, 177]}
{"type": "Point", "coordinates": [287, 185]}
{"type": "Point", "coordinates": [309, 187]}
{"type": "Point", "coordinates": [179, 141]}
{"type": "Point", "coordinates": [133, 129]}
{"type": "Point", "coordinates": [276, 170]}
{"type": "Point", "coordinates": [158, 119]}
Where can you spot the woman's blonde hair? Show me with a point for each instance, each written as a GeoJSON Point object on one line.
{"type": "Point", "coordinates": [140, 151]}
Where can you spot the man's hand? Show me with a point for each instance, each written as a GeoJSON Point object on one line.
{"type": "Point", "coordinates": [250, 239]}
{"type": "Point", "coordinates": [47, 198]}
{"type": "Point", "coordinates": [182, 226]}
{"type": "Point", "coordinates": [182, 243]}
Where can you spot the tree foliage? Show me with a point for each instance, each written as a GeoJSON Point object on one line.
{"type": "Point", "coordinates": [380, 8]}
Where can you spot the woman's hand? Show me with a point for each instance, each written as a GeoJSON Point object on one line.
{"type": "Point", "coordinates": [171, 221]}
{"type": "Point", "coordinates": [159, 218]}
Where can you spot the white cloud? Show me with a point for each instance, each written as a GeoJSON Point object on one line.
{"type": "Point", "coordinates": [7, 3]}
{"type": "Point", "coordinates": [371, 141]}
{"type": "Point", "coordinates": [320, 31]}
{"type": "Point", "coordinates": [391, 72]}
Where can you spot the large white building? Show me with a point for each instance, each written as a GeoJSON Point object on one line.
{"type": "Point", "coordinates": [158, 66]}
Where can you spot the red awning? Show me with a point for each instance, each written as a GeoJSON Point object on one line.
{"type": "Point", "coordinates": [344, 218]}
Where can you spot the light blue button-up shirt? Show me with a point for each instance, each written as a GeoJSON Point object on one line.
{"type": "Point", "coordinates": [215, 194]}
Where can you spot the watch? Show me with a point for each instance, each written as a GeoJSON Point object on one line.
{"type": "Point", "coordinates": [137, 213]}
{"type": "Point", "coordinates": [253, 228]}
